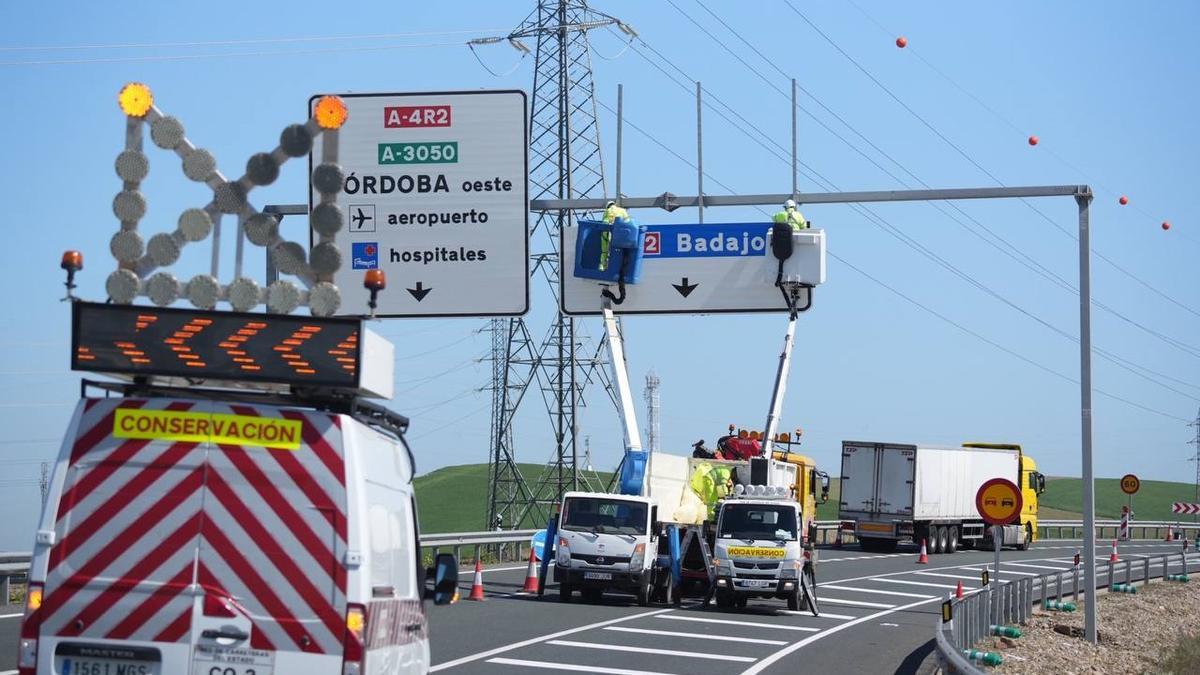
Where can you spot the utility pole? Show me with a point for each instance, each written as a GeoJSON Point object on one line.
{"type": "Point", "coordinates": [564, 163]}
{"type": "Point", "coordinates": [1196, 442]}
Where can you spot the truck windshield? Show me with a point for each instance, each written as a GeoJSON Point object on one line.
{"type": "Point", "coordinates": [757, 521]}
{"type": "Point", "coordinates": [605, 516]}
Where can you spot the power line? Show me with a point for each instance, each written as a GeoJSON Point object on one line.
{"type": "Point", "coordinates": [222, 55]}
{"type": "Point", "coordinates": [997, 241]}
{"type": "Point", "coordinates": [248, 41]}
{"type": "Point", "coordinates": [872, 216]}
{"type": "Point", "coordinates": [967, 156]}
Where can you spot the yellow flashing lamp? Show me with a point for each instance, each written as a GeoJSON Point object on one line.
{"type": "Point", "coordinates": [331, 112]}
{"type": "Point", "coordinates": [356, 621]}
{"type": "Point", "coordinates": [135, 99]}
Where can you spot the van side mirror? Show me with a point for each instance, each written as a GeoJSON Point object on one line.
{"type": "Point", "coordinates": [781, 241]}
{"type": "Point", "coordinates": [445, 580]}
{"type": "Point", "coordinates": [659, 528]}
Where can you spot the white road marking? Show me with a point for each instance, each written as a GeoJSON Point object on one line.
{"type": "Point", "coordinates": [10, 616]}
{"type": "Point", "coordinates": [557, 666]}
{"type": "Point", "coordinates": [732, 622]}
{"type": "Point", "coordinates": [948, 576]}
{"type": "Point", "coordinates": [1039, 567]}
{"type": "Point", "coordinates": [869, 590]}
{"type": "Point", "coordinates": [648, 650]}
{"type": "Point", "coordinates": [853, 603]}
{"type": "Point", "coordinates": [1002, 571]}
{"type": "Point", "coordinates": [824, 615]}
{"type": "Point", "coordinates": [532, 641]}
{"type": "Point", "coordinates": [701, 636]}
{"type": "Point", "coordinates": [916, 583]}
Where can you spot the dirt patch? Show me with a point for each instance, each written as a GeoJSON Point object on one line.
{"type": "Point", "coordinates": [1139, 633]}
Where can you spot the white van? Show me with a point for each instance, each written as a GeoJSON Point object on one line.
{"type": "Point", "coordinates": [237, 534]}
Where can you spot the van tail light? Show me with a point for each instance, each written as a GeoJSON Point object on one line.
{"type": "Point", "coordinates": [353, 648]}
{"type": "Point", "coordinates": [215, 605]}
{"type": "Point", "coordinates": [30, 627]}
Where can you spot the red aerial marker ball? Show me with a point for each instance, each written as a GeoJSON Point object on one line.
{"type": "Point", "coordinates": [1124, 200]}
{"type": "Point", "coordinates": [1033, 140]}
{"type": "Point", "coordinates": [901, 42]}
{"type": "Point", "coordinates": [1166, 225]}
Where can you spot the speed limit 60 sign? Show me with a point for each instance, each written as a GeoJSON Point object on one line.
{"type": "Point", "coordinates": [1130, 484]}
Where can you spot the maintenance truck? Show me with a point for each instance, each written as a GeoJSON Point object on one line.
{"type": "Point", "coordinates": [897, 492]}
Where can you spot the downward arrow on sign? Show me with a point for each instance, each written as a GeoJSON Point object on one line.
{"type": "Point", "coordinates": [419, 292]}
{"type": "Point", "coordinates": [685, 289]}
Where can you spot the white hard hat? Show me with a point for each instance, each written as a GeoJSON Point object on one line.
{"type": "Point", "coordinates": [789, 204]}
{"type": "Point", "coordinates": [611, 203]}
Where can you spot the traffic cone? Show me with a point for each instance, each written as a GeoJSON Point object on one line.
{"type": "Point", "coordinates": [477, 584]}
{"type": "Point", "coordinates": [531, 575]}
{"type": "Point", "coordinates": [958, 592]}
{"type": "Point", "coordinates": [924, 559]}
{"type": "Point", "coordinates": [1114, 557]}
{"type": "Point", "coordinates": [1168, 535]}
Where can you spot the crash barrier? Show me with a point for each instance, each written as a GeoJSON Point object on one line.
{"type": "Point", "coordinates": [993, 610]}
{"type": "Point", "coordinates": [1110, 529]}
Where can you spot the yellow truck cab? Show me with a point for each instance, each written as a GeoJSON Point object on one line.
{"type": "Point", "coordinates": [1032, 484]}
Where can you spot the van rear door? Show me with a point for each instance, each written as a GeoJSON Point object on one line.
{"type": "Point", "coordinates": [126, 530]}
{"type": "Point", "coordinates": [273, 540]}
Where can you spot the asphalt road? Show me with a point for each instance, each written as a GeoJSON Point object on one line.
{"type": "Point", "coordinates": [877, 616]}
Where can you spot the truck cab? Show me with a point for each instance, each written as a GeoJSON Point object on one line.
{"type": "Point", "coordinates": [606, 542]}
{"type": "Point", "coordinates": [1032, 483]}
{"type": "Point", "coordinates": [758, 550]}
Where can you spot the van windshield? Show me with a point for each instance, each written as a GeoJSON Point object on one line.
{"type": "Point", "coordinates": [757, 521]}
{"type": "Point", "coordinates": [605, 516]}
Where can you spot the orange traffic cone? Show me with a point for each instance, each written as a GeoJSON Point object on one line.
{"type": "Point", "coordinates": [477, 584]}
{"type": "Point", "coordinates": [958, 592]}
{"type": "Point", "coordinates": [531, 575]}
{"type": "Point", "coordinates": [924, 559]}
{"type": "Point", "coordinates": [1168, 535]}
{"type": "Point", "coordinates": [1114, 557]}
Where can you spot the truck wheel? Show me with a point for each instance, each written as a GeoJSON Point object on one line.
{"type": "Point", "coordinates": [1027, 538]}
{"type": "Point", "coordinates": [793, 600]}
{"type": "Point", "coordinates": [724, 599]}
{"type": "Point", "coordinates": [943, 538]}
{"type": "Point", "coordinates": [952, 542]}
{"type": "Point", "coordinates": [564, 592]}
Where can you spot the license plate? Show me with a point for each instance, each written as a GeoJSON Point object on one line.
{"type": "Point", "coordinates": [757, 583]}
{"type": "Point", "coordinates": [607, 576]}
{"type": "Point", "coordinates": [72, 665]}
{"type": "Point", "coordinates": [232, 661]}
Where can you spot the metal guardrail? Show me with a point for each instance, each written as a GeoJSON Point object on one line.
{"type": "Point", "coordinates": [1150, 529]}
{"type": "Point", "coordinates": [981, 611]}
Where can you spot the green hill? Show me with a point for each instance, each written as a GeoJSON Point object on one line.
{"type": "Point", "coordinates": [454, 498]}
{"type": "Point", "coordinates": [1152, 502]}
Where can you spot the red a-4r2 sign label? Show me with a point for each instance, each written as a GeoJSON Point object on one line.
{"type": "Point", "coordinates": [408, 116]}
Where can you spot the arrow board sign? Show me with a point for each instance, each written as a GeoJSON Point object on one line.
{"type": "Point", "coordinates": [437, 196]}
{"type": "Point", "coordinates": [688, 269]}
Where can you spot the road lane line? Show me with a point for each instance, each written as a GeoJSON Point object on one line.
{"type": "Point", "coordinates": [1039, 567]}
{"type": "Point", "coordinates": [10, 616]}
{"type": "Point", "coordinates": [1002, 571]}
{"type": "Point", "coordinates": [555, 666]}
{"type": "Point", "coordinates": [824, 615]}
{"type": "Point", "coordinates": [732, 622]}
{"type": "Point", "coordinates": [868, 590]}
{"type": "Point", "coordinates": [700, 636]}
{"type": "Point", "coordinates": [649, 650]}
{"type": "Point", "coordinates": [948, 576]}
{"type": "Point", "coordinates": [854, 603]}
{"type": "Point", "coordinates": [532, 641]}
{"type": "Point", "coordinates": [916, 583]}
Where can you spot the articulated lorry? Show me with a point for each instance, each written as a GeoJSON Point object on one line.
{"type": "Point", "coordinates": [897, 492]}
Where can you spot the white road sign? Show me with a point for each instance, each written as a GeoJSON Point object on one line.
{"type": "Point", "coordinates": [436, 195]}
{"type": "Point", "coordinates": [688, 269]}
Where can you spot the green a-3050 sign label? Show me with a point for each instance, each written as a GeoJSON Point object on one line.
{"type": "Point", "coordinates": [419, 153]}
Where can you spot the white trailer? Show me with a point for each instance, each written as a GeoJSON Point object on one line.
{"type": "Point", "coordinates": [895, 492]}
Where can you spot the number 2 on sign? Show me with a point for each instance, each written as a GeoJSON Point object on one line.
{"type": "Point", "coordinates": [405, 116]}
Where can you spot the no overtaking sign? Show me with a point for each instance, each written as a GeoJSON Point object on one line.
{"type": "Point", "coordinates": [436, 195]}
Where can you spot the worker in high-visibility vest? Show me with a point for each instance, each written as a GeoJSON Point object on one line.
{"type": "Point", "coordinates": [611, 213]}
{"type": "Point", "coordinates": [791, 216]}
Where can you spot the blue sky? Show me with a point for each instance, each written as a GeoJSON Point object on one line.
{"type": "Point", "coordinates": [1110, 91]}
